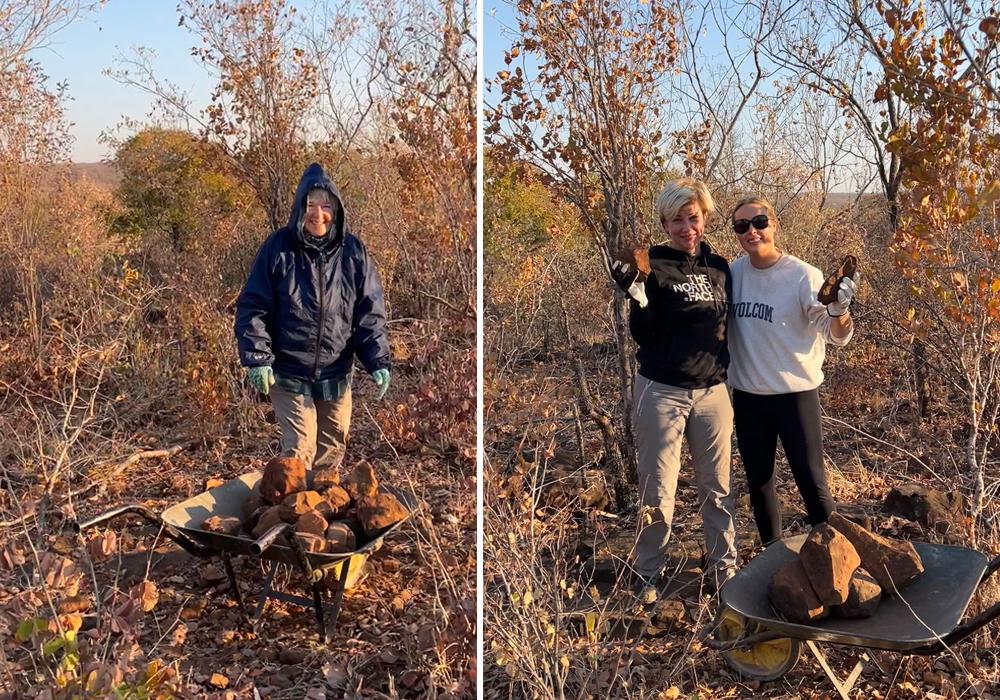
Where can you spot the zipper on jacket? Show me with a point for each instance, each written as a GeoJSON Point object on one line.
{"type": "Point", "coordinates": [319, 328]}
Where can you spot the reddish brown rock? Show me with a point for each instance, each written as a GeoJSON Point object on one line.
{"type": "Point", "coordinates": [380, 512]}
{"type": "Point", "coordinates": [338, 499]}
{"type": "Point", "coordinates": [893, 563]}
{"type": "Point", "coordinates": [268, 519]}
{"type": "Point", "coordinates": [637, 257]}
{"type": "Point", "coordinates": [829, 560]}
{"type": "Point", "coordinates": [311, 522]}
{"type": "Point", "coordinates": [940, 510]}
{"type": "Point", "coordinates": [863, 597]}
{"type": "Point", "coordinates": [223, 526]}
{"type": "Point", "coordinates": [792, 595]}
{"type": "Point", "coordinates": [361, 482]}
{"type": "Point", "coordinates": [325, 478]}
{"type": "Point", "coordinates": [252, 505]}
{"type": "Point", "coordinates": [282, 476]}
{"type": "Point", "coordinates": [340, 538]}
{"type": "Point", "coordinates": [310, 543]}
{"type": "Point", "coordinates": [300, 503]}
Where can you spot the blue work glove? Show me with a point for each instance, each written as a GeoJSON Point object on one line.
{"type": "Point", "coordinates": [381, 377]}
{"type": "Point", "coordinates": [262, 378]}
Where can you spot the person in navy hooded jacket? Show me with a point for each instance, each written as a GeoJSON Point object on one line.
{"type": "Point", "coordinates": [312, 304]}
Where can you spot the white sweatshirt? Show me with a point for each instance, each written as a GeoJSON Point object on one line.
{"type": "Point", "coordinates": [778, 331]}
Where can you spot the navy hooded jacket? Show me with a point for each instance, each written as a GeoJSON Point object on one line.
{"type": "Point", "coordinates": [310, 305]}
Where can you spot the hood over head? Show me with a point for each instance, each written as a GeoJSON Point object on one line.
{"type": "Point", "coordinates": [315, 177]}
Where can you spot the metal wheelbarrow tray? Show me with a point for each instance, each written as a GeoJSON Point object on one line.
{"type": "Point", "coordinates": [182, 524]}
{"type": "Point", "coordinates": [923, 619]}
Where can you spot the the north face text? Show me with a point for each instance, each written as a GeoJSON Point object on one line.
{"type": "Point", "coordinates": [697, 288]}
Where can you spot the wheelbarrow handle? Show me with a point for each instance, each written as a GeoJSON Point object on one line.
{"type": "Point", "coordinates": [990, 569]}
{"type": "Point", "coordinates": [750, 640]}
{"type": "Point", "coordinates": [186, 543]}
{"type": "Point", "coordinates": [267, 539]}
{"type": "Point", "coordinates": [135, 509]}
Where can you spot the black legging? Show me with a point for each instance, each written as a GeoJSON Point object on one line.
{"type": "Point", "coordinates": [795, 418]}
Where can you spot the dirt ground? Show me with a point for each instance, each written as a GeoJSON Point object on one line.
{"type": "Point", "coordinates": [406, 630]}
{"type": "Point", "coordinates": [580, 570]}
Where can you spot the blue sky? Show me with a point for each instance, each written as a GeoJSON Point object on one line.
{"type": "Point", "coordinates": [79, 54]}
{"type": "Point", "coordinates": [496, 15]}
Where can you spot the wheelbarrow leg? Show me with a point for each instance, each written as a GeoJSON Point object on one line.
{"type": "Point", "coordinates": [843, 687]}
{"type": "Point", "coordinates": [318, 605]}
{"type": "Point", "coordinates": [338, 598]}
{"type": "Point", "coordinates": [264, 595]}
{"type": "Point", "coordinates": [234, 586]}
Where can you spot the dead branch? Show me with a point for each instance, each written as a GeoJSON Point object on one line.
{"type": "Point", "coordinates": [603, 421]}
{"type": "Point", "coordinates": [133, 459]}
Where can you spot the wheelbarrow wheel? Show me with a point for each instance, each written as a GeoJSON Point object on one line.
{"type": "Point", "coordinates": [762, 661]}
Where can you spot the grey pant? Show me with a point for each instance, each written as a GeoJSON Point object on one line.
{"type": "Point", "coordinates": [314, 431]}
{"type": "Point", "coordinates": [662, 415]}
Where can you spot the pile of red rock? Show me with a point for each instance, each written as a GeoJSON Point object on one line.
{"type": "Point", "coordinates": [842, 569]}
{"type": "Point", "coordinates": [333, 517]}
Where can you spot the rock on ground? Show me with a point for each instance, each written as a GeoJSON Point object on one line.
{"type": "Point", "coordinates": [931, 508]}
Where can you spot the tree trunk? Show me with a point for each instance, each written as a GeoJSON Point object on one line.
{"type": "Point", "coordinates": [625, 373]}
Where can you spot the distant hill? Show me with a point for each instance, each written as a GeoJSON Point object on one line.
{"type": "Point", "coordinates": [101, 175]}
{"type": "Point", "coordinates": [846, 199]}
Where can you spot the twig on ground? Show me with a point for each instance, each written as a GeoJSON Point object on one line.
{"type": "Point", "coordinates": [134, 458]}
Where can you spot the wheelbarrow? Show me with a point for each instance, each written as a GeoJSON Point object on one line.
{"type": "Point", "coordinates": [923, 619]}
{"type": "Point", "coordinates": [182, 523]}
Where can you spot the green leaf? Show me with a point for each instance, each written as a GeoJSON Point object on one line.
{"type": "Point", "coordinates": [29, 627]}
{"type": "Point", "coordinates": [51, 647]}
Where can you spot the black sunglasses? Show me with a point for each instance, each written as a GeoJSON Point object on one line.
{"type": "Point", "coordinates": [760, 222]}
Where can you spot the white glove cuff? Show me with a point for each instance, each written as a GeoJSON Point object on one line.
{"type": "Point", "coordinates": [638, 292]}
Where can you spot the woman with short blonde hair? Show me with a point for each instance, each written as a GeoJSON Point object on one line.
{"type": "Point", "coordinates": [681, 192]}
{"type": "Point", "coordinates": [677, 317]}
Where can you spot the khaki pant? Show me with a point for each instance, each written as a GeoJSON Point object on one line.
{"type": "Point", "coordinates": [662, 416]}
{"type": "Point", "coordinates": [314, 431]}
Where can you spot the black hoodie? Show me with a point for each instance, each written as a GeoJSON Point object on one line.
{"type": "Point", "coordinates": [681, 334]}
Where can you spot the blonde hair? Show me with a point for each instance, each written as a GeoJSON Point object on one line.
{"type": "Point", "coordinates": [759, 201]}
{"type": "Point", "coordinates": [679, 193]}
